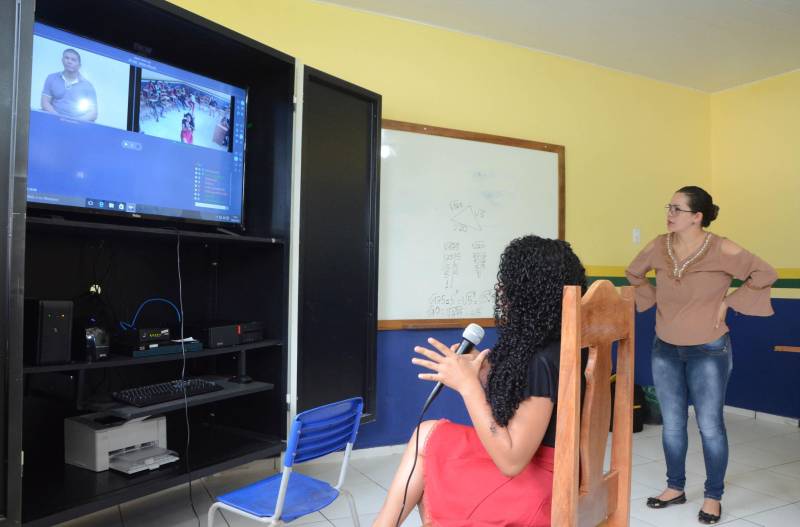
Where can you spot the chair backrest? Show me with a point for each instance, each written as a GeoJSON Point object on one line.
{"type": "Point", "coordinates": [323, 430]}
{"type": "Point", "coordinates": [582, 494]}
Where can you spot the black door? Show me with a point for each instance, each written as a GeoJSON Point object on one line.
{"type": "Point", "coordinates": [338, 263]}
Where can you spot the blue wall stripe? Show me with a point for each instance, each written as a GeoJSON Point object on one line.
{"type": "Point", "coordinates": [762, 379]}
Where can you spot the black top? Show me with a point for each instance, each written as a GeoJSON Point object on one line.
{"type": "Point", "coordinates": [543, 382]}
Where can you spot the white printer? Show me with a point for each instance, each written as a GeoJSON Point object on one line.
{"type": "Point", "coordinates": [101, 441]}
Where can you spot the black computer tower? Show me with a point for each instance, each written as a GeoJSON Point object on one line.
{"type": "Point", "coordinates": [48, 331]}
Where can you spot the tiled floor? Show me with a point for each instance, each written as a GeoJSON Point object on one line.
{"type": "Point", "coordinates": [762, 486]}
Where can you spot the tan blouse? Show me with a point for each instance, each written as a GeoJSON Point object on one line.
{"type": "Point", "coordinates": [689, 292]}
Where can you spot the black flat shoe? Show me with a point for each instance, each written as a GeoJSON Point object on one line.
{"type": "Point", "coordinates": [655, 503]}
{"type": "Point", "coordinates": [709, 519]}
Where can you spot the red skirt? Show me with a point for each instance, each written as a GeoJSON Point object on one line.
{"type": "Point", "coordinates": [463, 487]}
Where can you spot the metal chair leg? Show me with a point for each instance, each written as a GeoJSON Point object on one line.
{"type": "Point", "coordinates": [211, 513]}
{"type": "Point", "coordinates": [352, 503]}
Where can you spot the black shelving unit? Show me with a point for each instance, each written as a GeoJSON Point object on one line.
{"type": "Point", "coordinates": [59, 223]}
{"type": "Point", "coordinates": [229, 390]}
{"type": "Point", "coordinates": [239, 278]}
{"type": "Point", "coordinates": [115, 361]}
{"type": "Point", "coordinates": [59, 492]}
{"type": "Point", "coordinates": [226, 274]}
{"type": "Point", "coordinates": [215, 274]}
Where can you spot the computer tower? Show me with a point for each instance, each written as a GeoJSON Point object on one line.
{"type": "Point", "coordinates": [48, 331]}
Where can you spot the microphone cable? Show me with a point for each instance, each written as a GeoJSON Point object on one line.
{"type": "Point", "coordinates": [183, 377]}
{"type": "Point", "coordinates": [411, 472]}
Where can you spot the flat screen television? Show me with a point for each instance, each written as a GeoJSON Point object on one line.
{"type": "Point", "coordinates": [116, 133]}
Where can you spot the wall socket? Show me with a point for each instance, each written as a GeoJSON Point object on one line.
{"type": "Point", "coordinates": [637, 235]}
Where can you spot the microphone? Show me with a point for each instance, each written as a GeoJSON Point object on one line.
{"type": "Point", "coordinates": [471, 337]}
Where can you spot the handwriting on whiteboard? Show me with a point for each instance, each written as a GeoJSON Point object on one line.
{"type": "Point", "coordinates": [465, 217]}
{"type": "Point", "coordinates": [462, 260]}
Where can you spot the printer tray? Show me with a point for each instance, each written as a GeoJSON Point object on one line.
{"type": "Point", "coordinates": [149, 458]}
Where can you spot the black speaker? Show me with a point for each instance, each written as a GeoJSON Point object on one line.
{"type": "Point", "coordinates": [48, 331]}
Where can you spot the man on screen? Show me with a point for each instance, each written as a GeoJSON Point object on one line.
{"type": "Point", "coordinates": [68, 93]}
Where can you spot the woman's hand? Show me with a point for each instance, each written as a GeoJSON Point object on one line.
{"type": "Point", "coordinates": [723, 310]}
{"type": "Point", "coordinates": [459, 372]}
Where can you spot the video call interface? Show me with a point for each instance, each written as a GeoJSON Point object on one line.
{"type": "Point", "coordinates": [117, 132]}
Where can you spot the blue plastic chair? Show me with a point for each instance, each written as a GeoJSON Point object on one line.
{"type": "Point", "coordinates": [284, 497]}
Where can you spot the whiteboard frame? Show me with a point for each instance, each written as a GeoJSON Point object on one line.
{"type": "Point", "coordinates": [559, 150]}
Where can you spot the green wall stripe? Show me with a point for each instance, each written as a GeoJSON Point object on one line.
{"type": "Point", "coordinates": [616, 280]}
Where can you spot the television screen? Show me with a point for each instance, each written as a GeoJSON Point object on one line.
{"type": "Point", "coordinates": [114, 132]}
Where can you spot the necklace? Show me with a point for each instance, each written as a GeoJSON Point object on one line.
{"type": "Point", "coordinates": [677, 270]}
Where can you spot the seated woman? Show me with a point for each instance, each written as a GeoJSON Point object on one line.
{"type": "Point", "coordinates": [500, 470]}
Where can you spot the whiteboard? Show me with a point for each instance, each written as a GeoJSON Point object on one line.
{"type": "Point", "coordinates": [449, 205]}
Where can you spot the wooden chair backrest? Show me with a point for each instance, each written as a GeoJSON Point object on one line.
{"type": "Point", "coordinates": [582, 494]}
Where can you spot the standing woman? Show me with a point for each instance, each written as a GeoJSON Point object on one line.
{"type": "Point", "coordinates": [692, 350]}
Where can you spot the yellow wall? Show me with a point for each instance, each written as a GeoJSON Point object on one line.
{"type": "Point", "coordinates": [755, 159]}
{"type": "Point", "coordinates": [630, 141]}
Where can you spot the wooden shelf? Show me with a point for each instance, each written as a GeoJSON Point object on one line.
{"type": "Point", "coordinates": [50, 223]}
{"type": "Point", "coordinates": [792, 349]}
{"type": "Point", "coordinates": [115, 361]}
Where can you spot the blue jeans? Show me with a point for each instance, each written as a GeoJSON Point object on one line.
{"type": "Point", "coordinates": [700, 372]}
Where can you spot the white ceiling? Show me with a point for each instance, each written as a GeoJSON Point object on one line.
{"type": "Point", "coordinates": [709, 45]}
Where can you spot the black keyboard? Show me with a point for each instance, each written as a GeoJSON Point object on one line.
{"type": "Point", "coordinates": [165, 391]}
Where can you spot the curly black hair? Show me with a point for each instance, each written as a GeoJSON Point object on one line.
{"type": "Point", "coordinates": [530, 282]}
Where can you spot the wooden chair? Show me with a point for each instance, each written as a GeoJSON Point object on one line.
{"type": "Point", "coordinates": [582, 494]}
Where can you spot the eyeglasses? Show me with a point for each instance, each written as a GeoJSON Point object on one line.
{"type": "Point", "coordinates": [672, 210]}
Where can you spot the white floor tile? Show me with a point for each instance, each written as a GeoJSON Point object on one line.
{"type": "Point", "coordinates": [789, 469]}
{"type": "Point", "coordinates": [169, 507]}
{"type": "Point", "coordinates": [693, 440]}
{"type": "Point", "coordinates": [654, 474]}
{"type": "Point", "coordinates": [747, 431]}
{"type": "Point", "coordinates": [749, 454]}
{"type": "Point", "coordinates": [635, 460]}
{"type": "Point", "coordinates": [636, 522]}
{"type": "Point", "coordinates": [648, 447]}
{"type": "Point", "coordinates": [368, 496]}
{"type": "Point", "coordinates": [106, 518]}
{"type": "Point", "coordinates": [240, 521]}
{"type": "Point", "coordinates": [654, 440]}
{"type": "Point", "coordinates": [769, 483]}
{"type": "Point", "coordinates": [741, 502]}
{"type": "Point", "coordinates": [379, 469]}
{"type": "Point", "coordinates": [697, 461]}
{"type": "Point", "coordinates": [366, 520]}
{"type": "Point", "coordinates": [779, 427]}
{"type": "Point", "coordinates": [227, 518]}
{"type": "Point", "coordinates": [650, 431]}
{"type": "Point", "coordinates": [643, 491]}
{"type": "Point", "coordinates": [788, 444]}
{"type": "Point", "coordinates": [735, 468]}
{"type": "Point", "coordinates": [734, 416]}
{"type": "Point", "coordinates": [693, 437]}
{"type": "Point", "coordinates": [780, 517]}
